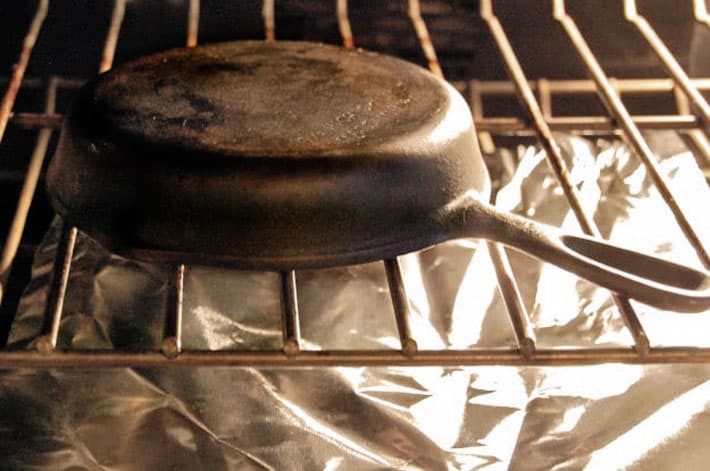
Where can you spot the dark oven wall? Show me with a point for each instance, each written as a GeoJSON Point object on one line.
{"type": "Point", "coordinates": [72, 40]}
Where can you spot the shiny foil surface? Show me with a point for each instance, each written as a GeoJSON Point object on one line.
{"type": "Point", "coordinates": [608, 416]}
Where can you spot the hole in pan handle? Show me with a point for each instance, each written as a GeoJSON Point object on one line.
{"type": "Point", "coordinates": [645, 278]}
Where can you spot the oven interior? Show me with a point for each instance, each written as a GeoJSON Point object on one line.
{"type": "Point", "coordinates": [546, 82]}
{"type": "Point", "coordinates": [521, 66]}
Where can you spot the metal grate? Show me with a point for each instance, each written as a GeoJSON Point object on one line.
{"type": "Point", "coordinates": [535, 98]}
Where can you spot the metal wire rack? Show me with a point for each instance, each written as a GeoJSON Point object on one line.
{"type": "Point", "coordinates": [535, 98]}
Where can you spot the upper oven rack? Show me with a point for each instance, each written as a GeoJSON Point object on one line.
{"type": "Point", "coordinates": [535, 97]}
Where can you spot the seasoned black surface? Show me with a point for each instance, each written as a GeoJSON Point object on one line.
{"type": "Point", "coordinates": [250, 98]}
{"type": "Point", "coordinates": [265, 155]}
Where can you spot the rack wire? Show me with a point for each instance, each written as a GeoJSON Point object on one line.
{"type": "Point", "coordinates": [535, 98]}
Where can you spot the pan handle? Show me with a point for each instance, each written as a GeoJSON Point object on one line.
{"type": "Point", "coordinates": [646, 278]}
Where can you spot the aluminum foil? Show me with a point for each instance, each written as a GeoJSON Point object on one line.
{"type": "Point", "coordinates": [589, 417]}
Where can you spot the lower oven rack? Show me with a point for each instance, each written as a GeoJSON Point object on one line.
{"type": "Point", "coordinates": [539, 120]}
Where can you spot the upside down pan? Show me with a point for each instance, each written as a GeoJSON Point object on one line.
{"type": "Point", "coordinates": [293, 155]}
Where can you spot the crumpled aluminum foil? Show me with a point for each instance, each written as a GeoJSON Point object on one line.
{"type": "Point", "coordinates": [596, 417]}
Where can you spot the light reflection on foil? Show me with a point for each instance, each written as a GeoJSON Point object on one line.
{"type": "Point", "coordinates": [595, 417]}
{"type": "Point", "coordinates": [668, 421]}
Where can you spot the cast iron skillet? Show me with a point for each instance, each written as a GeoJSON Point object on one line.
{"type": "Point", "coordinates": [293, 155]}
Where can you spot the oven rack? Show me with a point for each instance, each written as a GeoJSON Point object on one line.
{"type": "Point", "coordinates": [535, 97]}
